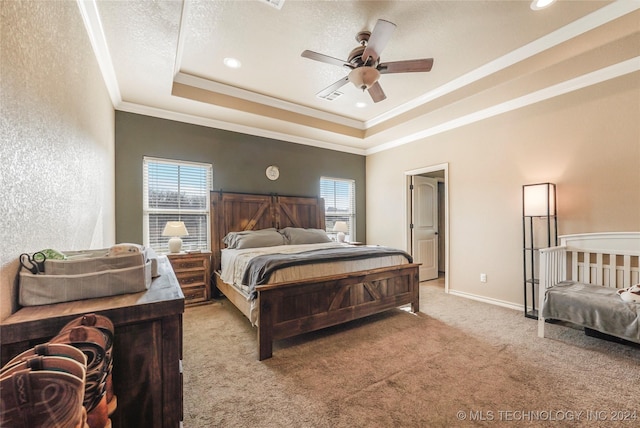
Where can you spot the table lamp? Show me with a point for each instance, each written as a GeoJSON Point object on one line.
{"type": "Point", "coordinates": [175, 229]}
{"type": "Point", "coordinates": [340, 227]}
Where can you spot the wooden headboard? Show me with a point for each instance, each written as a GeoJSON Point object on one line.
{"type": "Point", "coordinates": [234, 212]}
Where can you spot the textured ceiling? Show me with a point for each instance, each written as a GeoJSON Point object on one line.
{"type": "Point", "coordinates": [166, 58]}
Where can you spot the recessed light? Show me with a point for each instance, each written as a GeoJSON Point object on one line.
{"type": "Point", "coordinates": [541, 4]}
{"type": "Point", "coordinates": [232, 63]}
{"type": "Point", "coordinates": [361, 104]}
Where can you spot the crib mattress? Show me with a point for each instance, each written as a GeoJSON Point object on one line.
{"type": "Point", "coordinates": [596, 307]}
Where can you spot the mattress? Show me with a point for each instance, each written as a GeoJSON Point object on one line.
{"type": "Point", "coordinates": [235, 262]}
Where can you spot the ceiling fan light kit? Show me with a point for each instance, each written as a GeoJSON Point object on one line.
{"type": "Point", "coordinates": [364, 77]}
{"type": "Point", "coordinates": [364, 62]}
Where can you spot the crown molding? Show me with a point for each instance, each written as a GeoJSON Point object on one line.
{"type": "Point", "coordinates": [587, 23]}
{"type": "Point", "coordinates": [93, 25]}
{"type": "Point", "coordinates": [243, 94]}
{"type": "Point", "coordinates": [607, 73]}
{"type": "Point", "coordinates": [90, 15]}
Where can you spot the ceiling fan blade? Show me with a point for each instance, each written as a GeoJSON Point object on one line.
{"type": "Point", "coordinates": [376, 92]}
{"type": "Point", "coordinates": [334, 87]}
{"type": "Point", "coordinates": [325, 58]}
{"type": "Point", "coordinates": [379, 38]}
{"type": "Point", "coordinates": [408, 66]}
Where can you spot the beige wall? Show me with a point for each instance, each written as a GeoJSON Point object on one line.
{"type": "Point", "coordinates": [57, 178]}
{"type": "Point", "coordinates": [587, 142]}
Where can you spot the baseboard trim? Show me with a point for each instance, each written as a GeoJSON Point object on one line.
{"type": "Point", "coordinates": [489, 300]}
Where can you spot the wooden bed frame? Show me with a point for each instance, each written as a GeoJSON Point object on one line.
{"type": "Point", "coordinates": [605, 259]}
{"type": "Point", "coordinates": [292, 308]}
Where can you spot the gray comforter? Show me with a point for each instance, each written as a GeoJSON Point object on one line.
{"type": "Point", "coordinates": [260, 268]}
{"type": "Point", "coordinates": [595, 307]}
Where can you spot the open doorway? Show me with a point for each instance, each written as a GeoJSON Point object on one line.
{"type": "Point", "coordinates": [427, 217]}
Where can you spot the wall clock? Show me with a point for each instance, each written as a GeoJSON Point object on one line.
{"type": "Point", "coordinates": [273, 172]}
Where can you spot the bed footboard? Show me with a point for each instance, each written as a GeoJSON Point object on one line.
{"type": "Point", "coordinates": [290, 309]}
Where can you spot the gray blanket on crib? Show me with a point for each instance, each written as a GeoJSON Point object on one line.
{"type": "Point", "coordinates": [595, 307]}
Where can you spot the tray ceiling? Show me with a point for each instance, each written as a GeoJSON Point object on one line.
{"type": "Point", "coordinates": [165, 59]}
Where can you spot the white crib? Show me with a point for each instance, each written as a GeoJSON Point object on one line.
{"type": "Point", "coordinates": [605, 259]}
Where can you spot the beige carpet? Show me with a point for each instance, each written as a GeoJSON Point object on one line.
{"type": "Point", "coordinates": [458, 363]}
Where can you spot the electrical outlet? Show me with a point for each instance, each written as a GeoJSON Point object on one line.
{"type": "Point", "coordinates": [483, 277]}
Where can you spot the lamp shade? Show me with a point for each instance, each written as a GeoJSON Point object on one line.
{"type": "Point", "coordinates": [175, 228]}
{"type": "Point", "coordinates": [539, 199]}
{"type": "Point", "coordinates": [340, 226]}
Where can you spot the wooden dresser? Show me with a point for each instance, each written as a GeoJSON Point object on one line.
{"type": "Point", "coordinates": [193, 271]}
{"type": "Point", "coordinates": [147, 350]}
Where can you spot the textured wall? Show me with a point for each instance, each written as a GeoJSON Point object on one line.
{"type": "Point", "coordinates": [57, 177]}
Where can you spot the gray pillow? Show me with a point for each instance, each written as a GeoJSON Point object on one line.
{"type": "Point", "coordinates": [253, 239]}
{"type": "Point", "coordinates": [297, 236]}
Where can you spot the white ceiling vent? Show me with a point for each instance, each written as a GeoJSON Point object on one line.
{"type": "Point", "coordinates": [331, 96]}
{"type": "Point", "coordinates": [275, 3]}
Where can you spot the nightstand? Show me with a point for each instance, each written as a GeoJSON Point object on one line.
{"type": "Point", "coordinates": [193, 271]}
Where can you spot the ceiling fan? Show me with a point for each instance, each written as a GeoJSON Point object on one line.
{"type": "Point", "coordinates": [364, 62]}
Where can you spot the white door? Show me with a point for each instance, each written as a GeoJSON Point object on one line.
{"type": "Point", "coordinates": [424, 233]}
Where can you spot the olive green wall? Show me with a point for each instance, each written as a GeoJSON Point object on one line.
{"type": "Point", "coordinates": [239, 162]}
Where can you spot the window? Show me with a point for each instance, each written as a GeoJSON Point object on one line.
{"type": "Point", "coordinates": [339, 204]}
{"type": "Point", "coordinates": [176, 190]}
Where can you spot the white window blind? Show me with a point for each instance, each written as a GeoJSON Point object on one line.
{"type": "Point", "coordinates": [339, 204]}
{"type": "Point", "coordinates": [176, 191]}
